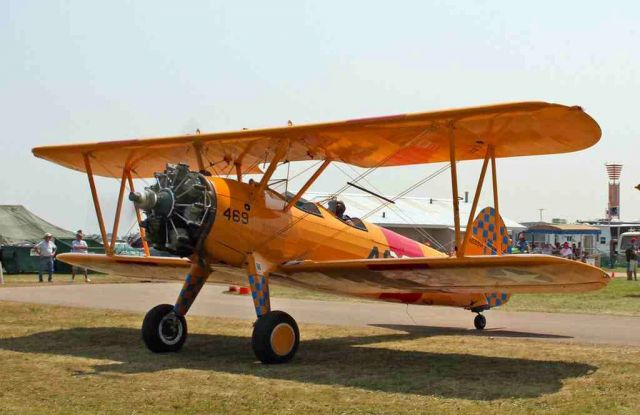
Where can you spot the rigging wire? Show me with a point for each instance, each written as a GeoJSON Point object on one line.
{"type": "Point", "coordinates": [347, 226]}
{"type": "Point", "coordinates": [343, 188]}
{"type": "Point", "coordinates": [403, 215]}
{"type": "Point", "coordinates": [403, 193]}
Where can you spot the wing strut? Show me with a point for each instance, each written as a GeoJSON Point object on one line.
{"type": "Point", "coordinates": [308, 184]}
{"type": "Point", "coordinates": [494, 175]}
{"type": "Point", "coordinates": [145, 246]}
{"type": "Point", "coordinates": [490, 155]}
{"type": "Point", "coordinates": [109, 247]}
{"type": "Point", "coordinates": [476, 198]}
{"type": "Point", "coordinates": [454, 187]}
{"type": "Point", "coordinates": [96, 204]}
{"type": "Point", "coordinates": [279, 154]}
{"type": "Point", "coordinates": [116, 220]}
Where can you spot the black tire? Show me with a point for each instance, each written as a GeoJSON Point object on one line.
{"type": "Point", "coordinates": [163, 330]}
{"type": "Point", "coordinates": [269, 350]}
{"type": "Point", "coordinates": [480, 322]}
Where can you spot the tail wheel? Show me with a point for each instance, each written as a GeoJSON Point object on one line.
{"type": "Point", "coordinates": [480, 322]}
{"type": "Point", "coordinates": [163, 330]}
{"type": "Point", "coordinates": [275, 337]}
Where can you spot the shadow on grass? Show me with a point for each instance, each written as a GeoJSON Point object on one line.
{"type": "Point", "coordinates": [428, 331]}
{"type": "Point", "coordinates": [632, 295]}
{"type": "Point", "coordinates": [343, 361]}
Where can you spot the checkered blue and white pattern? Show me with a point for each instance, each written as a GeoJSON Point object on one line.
{"type": "Point", "coordinates": [484, 229]}
{"type": "Point", "coordinates": [496, 299]}
{"type": "Point", "coordinates": [259, 290]}
{"type": "Point", "coordinates": [192, 285]}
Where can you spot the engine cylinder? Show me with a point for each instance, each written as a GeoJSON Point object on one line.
{"type": "Point", "coordinates": [179, 208]}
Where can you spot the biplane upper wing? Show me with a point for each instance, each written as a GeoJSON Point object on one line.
{"type": "Point", "coordinates": [527, 128]}
{"type": "Point", "coordinates": [508, 274]}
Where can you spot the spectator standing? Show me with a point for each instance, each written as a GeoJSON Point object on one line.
{"type": "Point", "coordinates": [522, 245]}
{"type": "Point", "coordinates": [566, 251]}
{"type": "Point", "coordinates": [79, 246]}
{"type": "Point", "coordinates": [632, 260]}
{"type": "Point", "coordinates": [46, 251]}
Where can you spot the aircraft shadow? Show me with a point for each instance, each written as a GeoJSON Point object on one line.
{"type": "Point", "coordinates": [345, 361]}
{"type": "Point", "coordinates": [428, 331]}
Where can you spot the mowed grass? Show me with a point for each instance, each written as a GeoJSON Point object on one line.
{"type": "Point", "coordinates": [25, 280]}
{"type": "Point", "coordinates": [619, 297]}
{"type": "Point", "coordinates": [58, 360]}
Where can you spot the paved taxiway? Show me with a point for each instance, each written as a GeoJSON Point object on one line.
{"type": "Point", "coordinates": [139, 297]}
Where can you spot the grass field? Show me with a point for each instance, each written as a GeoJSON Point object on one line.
{"type": "Point", "coordinates": [64, 360]}
{"type": "Point", "coordinates": [620, 297]}
{"type": "Point", "coordinates": [20, 280]}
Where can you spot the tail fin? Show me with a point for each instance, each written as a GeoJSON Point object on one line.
{"type": "Point", "coordinates": [489, 235]}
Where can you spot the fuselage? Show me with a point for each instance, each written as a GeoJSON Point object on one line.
{"type": "Point", "coordinates": [249, 222]}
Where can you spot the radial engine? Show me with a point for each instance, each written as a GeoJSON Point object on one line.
{"type": "Point", "coordinates": [180, 209]}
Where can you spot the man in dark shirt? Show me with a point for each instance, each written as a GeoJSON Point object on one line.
{"type": "Point", "coordinates": [522, 245]}
{"type": "Point", "coordinates": [632, 260]}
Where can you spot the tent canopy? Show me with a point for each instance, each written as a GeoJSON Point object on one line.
{"type": "Point", "coordinates": [18, 224]}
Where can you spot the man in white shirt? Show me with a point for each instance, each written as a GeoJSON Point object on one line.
{"type": "Point", "coordinates": [566, 251]}
{"type": "Point", "coordinates": [79, 246]}
{"type": "Point", "coordinates": [46, 250]}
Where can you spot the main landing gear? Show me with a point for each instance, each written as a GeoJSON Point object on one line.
{"type": "Point", "coordinates": [163, 330]}
{"type": "Point", "coordinates": [480, 322]}
{"type": "Point", "coordinates": [275, 337]}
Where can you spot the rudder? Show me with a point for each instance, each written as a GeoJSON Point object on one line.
{"type": "Point", "coordinates": [489, 234]}
{"type": "Point", "coordinates": [489, 237]}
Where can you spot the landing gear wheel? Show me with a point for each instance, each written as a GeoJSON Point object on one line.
{"type": "Point", "coordinates": [163, 330]}
{"type": "Point", "coordinates": [480, 322]}
{"type": "Point", "coordinates": [275, 337]}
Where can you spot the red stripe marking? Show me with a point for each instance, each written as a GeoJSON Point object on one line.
{"type": "Point", "coordinates": [402, 297]}
{"type": "Point", "coordinates": [401, 245]}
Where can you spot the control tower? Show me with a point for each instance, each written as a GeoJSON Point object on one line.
{"type": "Point", "coordinates": [613, 209]}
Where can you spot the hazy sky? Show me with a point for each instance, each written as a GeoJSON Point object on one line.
{"type": "Point", "coordinates": [88, 70]}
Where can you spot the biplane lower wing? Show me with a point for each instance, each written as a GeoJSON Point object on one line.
{"type": "Point", "coordinates": [507, 274]}
{"type": "Point", "coordinates": [155, 268]}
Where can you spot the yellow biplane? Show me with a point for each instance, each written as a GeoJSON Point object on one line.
{"type": "Point", "coordinates": [224, 228]}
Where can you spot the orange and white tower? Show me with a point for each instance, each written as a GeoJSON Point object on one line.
{"type": "Point", "coordinates": [613, 209]}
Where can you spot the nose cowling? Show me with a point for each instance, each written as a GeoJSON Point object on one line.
{"type": "Point", "coordinates": [180, 208]}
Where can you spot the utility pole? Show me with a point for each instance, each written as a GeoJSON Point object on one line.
{"type": "Point", "coordinates": [540, 210]}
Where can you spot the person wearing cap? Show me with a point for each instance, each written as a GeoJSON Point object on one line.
{"type": "Point", "coordinates": [632, 260]}
{"type": "Point", "coordinates": [46, 251]}
{"type": "Point", "coordinates": [79, 246]}
{"type": "Point", "coordinates": [566, 251]}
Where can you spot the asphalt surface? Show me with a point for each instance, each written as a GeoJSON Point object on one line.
{"type": "Point", "coordinates": [582, 328]}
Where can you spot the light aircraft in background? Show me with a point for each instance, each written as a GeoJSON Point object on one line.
{"type": "Point", "coordinates": [227, 229]}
